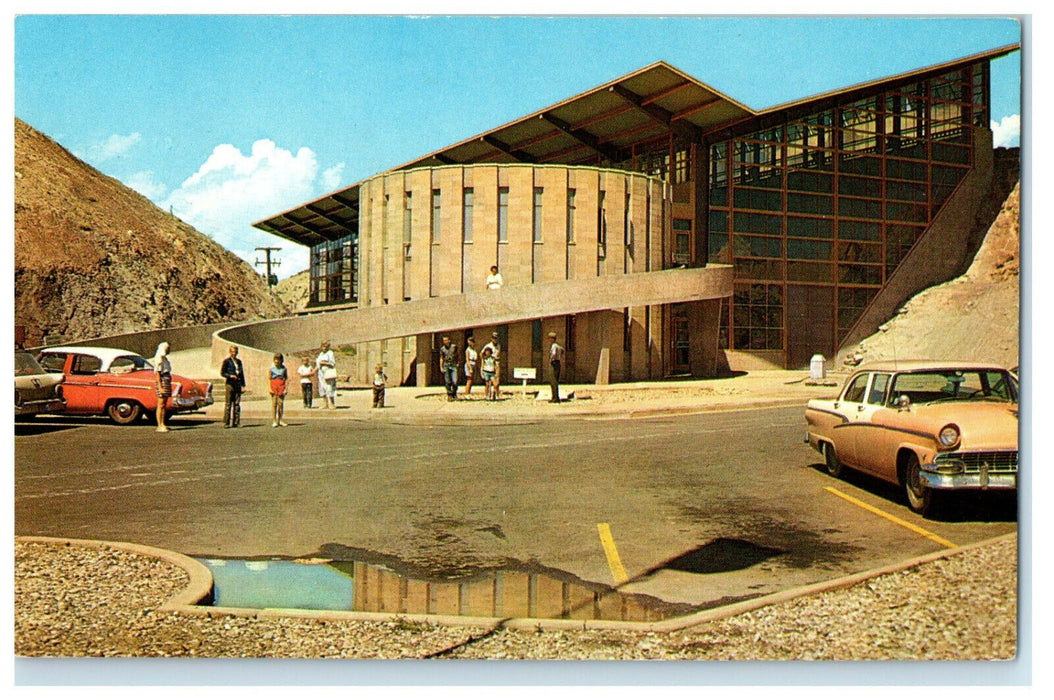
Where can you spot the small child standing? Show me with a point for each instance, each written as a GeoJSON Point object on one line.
{"type": "Point", "coordinates": [307, 387]}
{"type": "Point", "coordinates": [380, 379]}
{"type": "Point", "coordinates": [488, 369]}
{"type": "Point", "coordinates": [279, 375]}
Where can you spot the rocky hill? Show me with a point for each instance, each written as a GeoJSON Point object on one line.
{"type": "Point", "coordinates": [93, 257]}
{"type": "Point", "coordinates": [973, 317]}
{"type": "Point", "coordinates": [294, 291]}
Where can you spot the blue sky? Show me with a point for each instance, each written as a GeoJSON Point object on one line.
{"type": "Point", "coordinates": [227, 120]}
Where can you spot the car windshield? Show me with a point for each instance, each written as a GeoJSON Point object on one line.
{"type": "Point", "coordinates": [955, 384]}
{"type": "Point", "coordinates": [129, 363]}
{"type": "Point", "coordinates": [25, 365]}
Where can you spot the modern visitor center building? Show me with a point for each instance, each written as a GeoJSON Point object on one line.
{"type": "Point", "coordinates": [659, 227]}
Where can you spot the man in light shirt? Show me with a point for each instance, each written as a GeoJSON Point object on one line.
{"type": "Point", "coordinates": [556, 361]}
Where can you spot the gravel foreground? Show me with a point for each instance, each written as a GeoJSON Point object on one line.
{"type": "Point", "coordinates": [74, 601]}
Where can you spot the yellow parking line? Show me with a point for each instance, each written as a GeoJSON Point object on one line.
{"type": "Point", "coordinates": [892, 518]}
{"type": "Point", "coordinates": [617, 572]}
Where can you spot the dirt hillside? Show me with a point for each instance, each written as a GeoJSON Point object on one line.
{"type": "Point", "coordinates": [973, 317]}
{"type": "Point", "coordinates": [294, 291]}
{"type": "Point", "coordinates": [93, 257]}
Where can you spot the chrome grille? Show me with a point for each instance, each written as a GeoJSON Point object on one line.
{"type": "Point", "coordinates": [997, 462]}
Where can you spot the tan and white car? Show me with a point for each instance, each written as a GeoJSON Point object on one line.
{"type": "Point", "coordinates": [929, 427]}
{"type": "Point", "coordinates": [36, 389]}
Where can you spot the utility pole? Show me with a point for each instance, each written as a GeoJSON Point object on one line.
{"type": "Point", "coordinates": [272, 280]}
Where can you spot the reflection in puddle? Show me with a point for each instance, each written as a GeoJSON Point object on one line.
{"type": "Point", "coordinates": [362, 587]}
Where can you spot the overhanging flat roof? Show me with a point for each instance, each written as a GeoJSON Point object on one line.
{"type": "Point", "coordinates": [602, 124]}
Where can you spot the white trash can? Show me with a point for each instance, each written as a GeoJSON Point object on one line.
{"type": "Point", "coordinates": [818, 367]}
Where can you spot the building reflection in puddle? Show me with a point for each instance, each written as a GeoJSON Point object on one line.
{"type": "Point", "coordinates": [363, 587]}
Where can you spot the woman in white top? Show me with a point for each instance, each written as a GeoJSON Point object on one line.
{"type": "Point", "coordinates": [327, 376]}
{"type": "Point", "coordinates": [163, 384]}
{"type": "Point", "coordinates": [471, 357]}
{"type": "Point", "coordinates": [494, 280]}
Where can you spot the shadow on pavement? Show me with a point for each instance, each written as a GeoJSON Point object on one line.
{"type": "Point", "coordinates": [965, 506]}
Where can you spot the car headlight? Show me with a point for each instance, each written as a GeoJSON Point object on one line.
{"type": "Point", "coordinates": [58, 391]}
{"type": "Point", "coordinates": [949, 435]}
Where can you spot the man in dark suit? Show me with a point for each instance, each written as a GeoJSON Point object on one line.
{"type": "Point", "coordinates": [234, 374]}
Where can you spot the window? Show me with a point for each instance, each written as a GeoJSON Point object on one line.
{"type": "Point", "coordinates": [854, 393]}
{"type": "Point", "coordinates": [53, 363]}
{"type": "Point", "coordinates": [536, 223]}
{"type": "Point", "coordinates": [680, 166]}
{"type": "Point", "coordinates": [682, 241]}
{"type": "Point", "coordinates": [503, 215]}
{"type": "Point", "coordinates": [877, 395]}
{"type": "Point", "coordinates": [571, 216]}
{"type": "Point", "coordinates": [435, 215]}
{"type": "Point", "coordinates": [602, 225]}
{"type": "Point", "coordinates": [757, 316]}
{"type": "Point", "coordinates": [408, 219]}
{"type": "Point", "coordinates": [466, 211]}
{"type": "Point", "coordinates": [627, 226]}
{"type": "Point", "coordinates": [85, 364]}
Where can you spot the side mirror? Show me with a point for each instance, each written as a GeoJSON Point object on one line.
{"type": "Point", "coordinates": [903, 402]}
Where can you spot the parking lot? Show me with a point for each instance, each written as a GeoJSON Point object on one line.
{"type": "Point", "coordinates": [701, 508]}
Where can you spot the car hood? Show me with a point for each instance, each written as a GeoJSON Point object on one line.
{"type": "Point", "coordinates": [985, 425]}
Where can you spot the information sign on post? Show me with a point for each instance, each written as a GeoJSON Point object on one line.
{"type": "Point", "coordinates": [524, 373]}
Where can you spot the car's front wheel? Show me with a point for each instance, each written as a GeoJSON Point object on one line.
{"type": "Point", "coordinates": [920, 497]}
{"type": "Point", "coordinates": [124, 412]}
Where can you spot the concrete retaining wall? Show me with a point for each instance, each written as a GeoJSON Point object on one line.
{"type": "Point", "coordinates": [145, 342]}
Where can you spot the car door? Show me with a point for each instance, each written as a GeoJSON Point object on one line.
{"type": "Point", "coordinates": [850, 405]}
{"type": "Point", "coordinates": [874, 444]}
{"type": "Point", "coordinates": [82, 384]}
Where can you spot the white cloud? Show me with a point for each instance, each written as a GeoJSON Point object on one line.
{"type": "Point", "coordinates": [231, 190]}
{"type": "Point", "coordinates": [1007, 132]}
{"type": "Point", "coordinates": [116, 145]}
{"type": "Point", "coordinates": [144, 183]}
{"type": "Point", "coordinates": [331, 178]}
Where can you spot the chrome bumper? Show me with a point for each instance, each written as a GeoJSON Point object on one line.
{"type": "Point", "coordinates": [181, 403]}
{"type": "Point", "coordinates": [41, 406]}
{"type": "Point", "coordinates": [979, 481]}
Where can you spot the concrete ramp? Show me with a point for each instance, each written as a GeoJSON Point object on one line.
{"type": "Point", "coordinates": [258, 341]}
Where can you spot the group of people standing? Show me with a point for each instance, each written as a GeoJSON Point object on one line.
{"type": "Point", "coordinates": [488, 360]}
{"type": "Point", "coordinates": [324, 368]}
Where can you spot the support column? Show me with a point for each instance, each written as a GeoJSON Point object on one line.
{"type": "Point", "coordinates": [703, 320]}
{"type": "Point", "coordinates": [424, 359]}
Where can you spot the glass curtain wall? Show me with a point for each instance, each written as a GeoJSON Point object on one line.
{"type": "Point", "coordinates": [836, 199]}
{"type": "Point", "coordinates": [334, 272]}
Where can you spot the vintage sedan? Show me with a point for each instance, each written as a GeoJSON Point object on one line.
{"type": "Point", "coordinates": [36, 390]}
{"type": "Point", "coordinates": [929, 427]}
{"type": "Point", "coordinates": [118, 383]}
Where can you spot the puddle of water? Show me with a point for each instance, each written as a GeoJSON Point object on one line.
{"type": "Point", "coordinates": [362, 587]}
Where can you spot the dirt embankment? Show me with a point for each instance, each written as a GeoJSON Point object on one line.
{"type": "Point", "coordinates": [93, 257]}
{"type": "Point", "coordinates": [973, 317]}
{"type": "Point", "coordinates": [294, 291]}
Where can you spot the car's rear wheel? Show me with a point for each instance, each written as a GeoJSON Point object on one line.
{"type": "Point", "coordinates": [920, 497]}
{"type": "Point", "coordinates": [124, 412]}
{"type": "Point", "coordinates": [830, 460]}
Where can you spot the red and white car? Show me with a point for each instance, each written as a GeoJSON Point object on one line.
{"type": "Point", "coordinates": [118, 383]}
